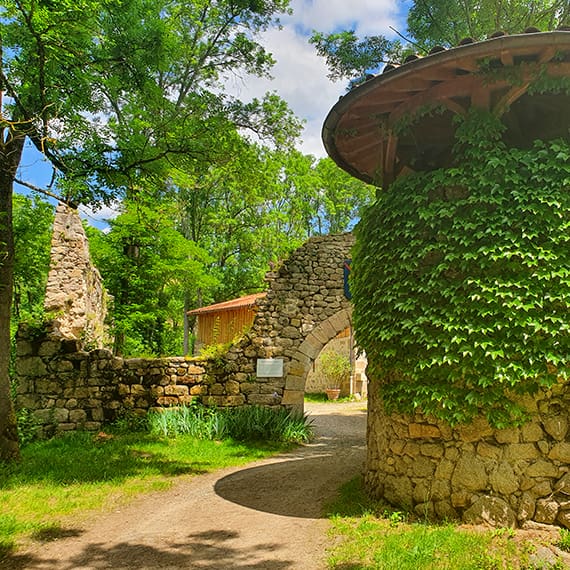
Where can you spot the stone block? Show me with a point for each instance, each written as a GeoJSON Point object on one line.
{"type": "Point", "coordinates": [527, 507]}
{"type": "Point", "coordinates": [460, 499]}
{"type": "Point", "coordinates": [531, 432]}
{"type": "Point", "coordinates": [542, 468]}
{"type": "Point", "coordinates": [398, 491]}
{"type": "Point", "coordinates": [30, 366]}
{"type": "Point", "coordinates": [475, 431]}
{"type": "Point", "coordinates": [492, 511]}
{"type": "Point", "coordinates": [175, 390]}
{"type": "Point", "coordinates": [423, 431]}
{"type": "Point", "coordinates": [440, 490]}
{"type": "Point", "coordinates": [77, 416]}
{"type": "Point", "coordinates": [238, 400]}
{"type": "Point", "coordinates": [488, 451]}
{"type": "Point", "coordinates": [509, 435]}
{"type": "Point", "coordinates": [293, 398]}
{"type": "Point", "coordinates": [167, 401]}
{"type": "Point", "coordinates": [232, 387]}
{"type": "Point", "coordinates": [469, 474]}
{"type": "Point", "coordinates": [503, 479]}
{"type": "Point", "coordinates": [556, 427]}
{"type": "Point", "coordinates": [445, 511]}
{"type": "Point", "coordinates": [560, 452]}
{"type": "Point", "coordinates": [49, 348]}
{"type": "Point", "coordinates": [265, 399]}
{"type": "Point", "coordinates": [546, 511]}
{"type": "Point", "coordinates": [445, 469]}
{"type": "Point", "coordinates": [432, 450]}
{"type": "Point", "coordinates": [423, 467]}
{"type": "Point", "coordinates": [520, 451]}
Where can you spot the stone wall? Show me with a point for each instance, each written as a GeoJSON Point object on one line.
{"type": "Point", "coordinates": [69, 387]}
{"type": "Point", "coordinates": [304, 309]}
{"type": "Point", "coordinates": [502, 477]}
{"type": "Point", "coordinates": [75, 298]}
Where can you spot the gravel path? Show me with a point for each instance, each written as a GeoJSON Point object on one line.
{"type": "Point", "coordinates": [267, 515]}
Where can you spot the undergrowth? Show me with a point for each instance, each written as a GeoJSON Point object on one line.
{"type": "Point", "coordinates": [245, 423]}
{"type": "Point", "coordinates": [371, 535]}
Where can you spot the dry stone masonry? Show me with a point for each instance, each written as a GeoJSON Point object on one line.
{"type": "Point", "coordinates": [506, 478]}
{"type": "Point", "coordinates": [74, 295]}
{"type": "Point", "coordinates": [68, 386]}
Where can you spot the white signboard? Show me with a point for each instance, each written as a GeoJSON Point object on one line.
{"type": "Point", "coordinates": [269, 368]}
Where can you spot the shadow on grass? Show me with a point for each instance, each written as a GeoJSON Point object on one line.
{"type": "Point", "coordinates": [82, 458]}
{"type": "Point", "coordinates": [210, 550]}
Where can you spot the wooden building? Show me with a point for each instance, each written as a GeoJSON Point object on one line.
{"type": "Point", "coordinates": [222, 322]}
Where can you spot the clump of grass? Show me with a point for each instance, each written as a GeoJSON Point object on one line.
{"type": "Point", "coordinates": [246, 423]}
{"type": "Point", "coordinates": [368, 534]}
{"type": "Point", "coordinates": [564, 540]}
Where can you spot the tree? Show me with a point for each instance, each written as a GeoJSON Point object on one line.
{"type": "Point", "coordinates": [435, 22]}
{"type": "Point", "coordinates": [447, 23]}
{"type": "Point", "coordinates": [147, 265]}
{"type": "Point", "coordinates": [33, 221]}
{"type": "Point", "coordinates": [111, 93]}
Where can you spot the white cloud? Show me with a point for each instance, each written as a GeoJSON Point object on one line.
{"type": "Point", "coordinates": [300, 75]}
{"type": "Point", "coordinates": [366, 17]}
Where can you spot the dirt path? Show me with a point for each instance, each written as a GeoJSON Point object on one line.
{"type": "Point", "coordinates": [264, 516]}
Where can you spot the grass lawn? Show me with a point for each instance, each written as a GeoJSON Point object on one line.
{"type": "Point", "coordinates": [82, 472]}
{"type": "Point", "coordinates": [369, 535]}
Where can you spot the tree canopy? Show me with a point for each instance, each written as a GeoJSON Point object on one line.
{"type": "Point", "coordinates": [115, 94]}
{"type": "Point", "coordinates": [431, 23]}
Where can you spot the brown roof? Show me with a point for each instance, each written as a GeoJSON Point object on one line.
{"type": "Point", "coordinates": [360, 132]}
{"type": "Point", "coordinates": [247, 301]}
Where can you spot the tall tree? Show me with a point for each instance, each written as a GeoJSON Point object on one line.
{"type": "Point", "coordinates": [435, 22]}
{"type": "Point", "coordinates": [110, 91]}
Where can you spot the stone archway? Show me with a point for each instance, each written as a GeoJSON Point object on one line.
{"type": "Point", "coordinates": [305, 307]}
{"type": "Point", "coordinates": [303, 359]}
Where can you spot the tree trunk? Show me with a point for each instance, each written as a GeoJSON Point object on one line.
{"type": "Point", "coordinates": [10, 155]}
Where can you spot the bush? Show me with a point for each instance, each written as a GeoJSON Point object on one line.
{"type": "Point", "coordinates": [247, 423]}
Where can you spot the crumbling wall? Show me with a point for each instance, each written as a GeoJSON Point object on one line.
{"type": "Point", "coordinates": [75, 298]}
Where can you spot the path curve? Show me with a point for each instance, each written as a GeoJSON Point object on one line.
{"type": "Point", "coordinates": [267, 515]}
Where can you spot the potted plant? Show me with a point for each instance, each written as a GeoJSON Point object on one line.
{"type": "Point", "coordinates": [336, 369]}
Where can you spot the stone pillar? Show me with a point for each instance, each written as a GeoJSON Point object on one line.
{"type": "Point", "coordinates": [75, 298]}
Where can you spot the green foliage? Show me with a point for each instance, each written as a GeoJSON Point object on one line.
{"type": "Point", "coordinates": [461, 283]}
{"type": "Point", "coordinates": [245, 423]}
{"type": "Point", "coordinates": [564, 540]}
{"type": "Point", "coordinates": [348, 56]}
{"type": "Point", "coordinates": [446, 22]}
{"type": "Point", "coordinates": [29, 427]}
{"type": "Point", "coordinates": [147, 265]}
{"type": "Point", "coordinates": [437, 22]}
{"type": "Point", "coordinates": [336, 367]}
{"type": "Point", "coordinates": [365, 534]}
{"type": "Point", "coordinates": [33, 220]}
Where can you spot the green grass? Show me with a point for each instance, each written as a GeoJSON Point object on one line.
{"type": "Point", "coordinates": [68, 477]}
{"type": "Point", "coordinates": [247, 423]}
{"type": "Point", "coordinates": [370, 535]}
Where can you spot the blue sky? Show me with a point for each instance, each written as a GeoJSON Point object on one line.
{"type": "Point", "coordinates": [299, 76]}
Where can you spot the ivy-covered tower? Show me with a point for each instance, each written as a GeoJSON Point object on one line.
{"type": "Point", "coordinates": [461, 276]}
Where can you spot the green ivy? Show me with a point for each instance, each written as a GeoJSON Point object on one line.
{"type": "Point", "coordinates": [461, 280]}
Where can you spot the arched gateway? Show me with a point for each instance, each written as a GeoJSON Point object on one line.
{"type": "Point", "coordinates": [305, 307]}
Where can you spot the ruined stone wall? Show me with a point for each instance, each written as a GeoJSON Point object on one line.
{"type": "Point", "coordinates": [70, 387]}
{"type": "Point", "coordinates": [504, 477]}
{"type": "Point", "coordinates": [75, 298]}
{"type": "Point", "coordinates": [304, 309]}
